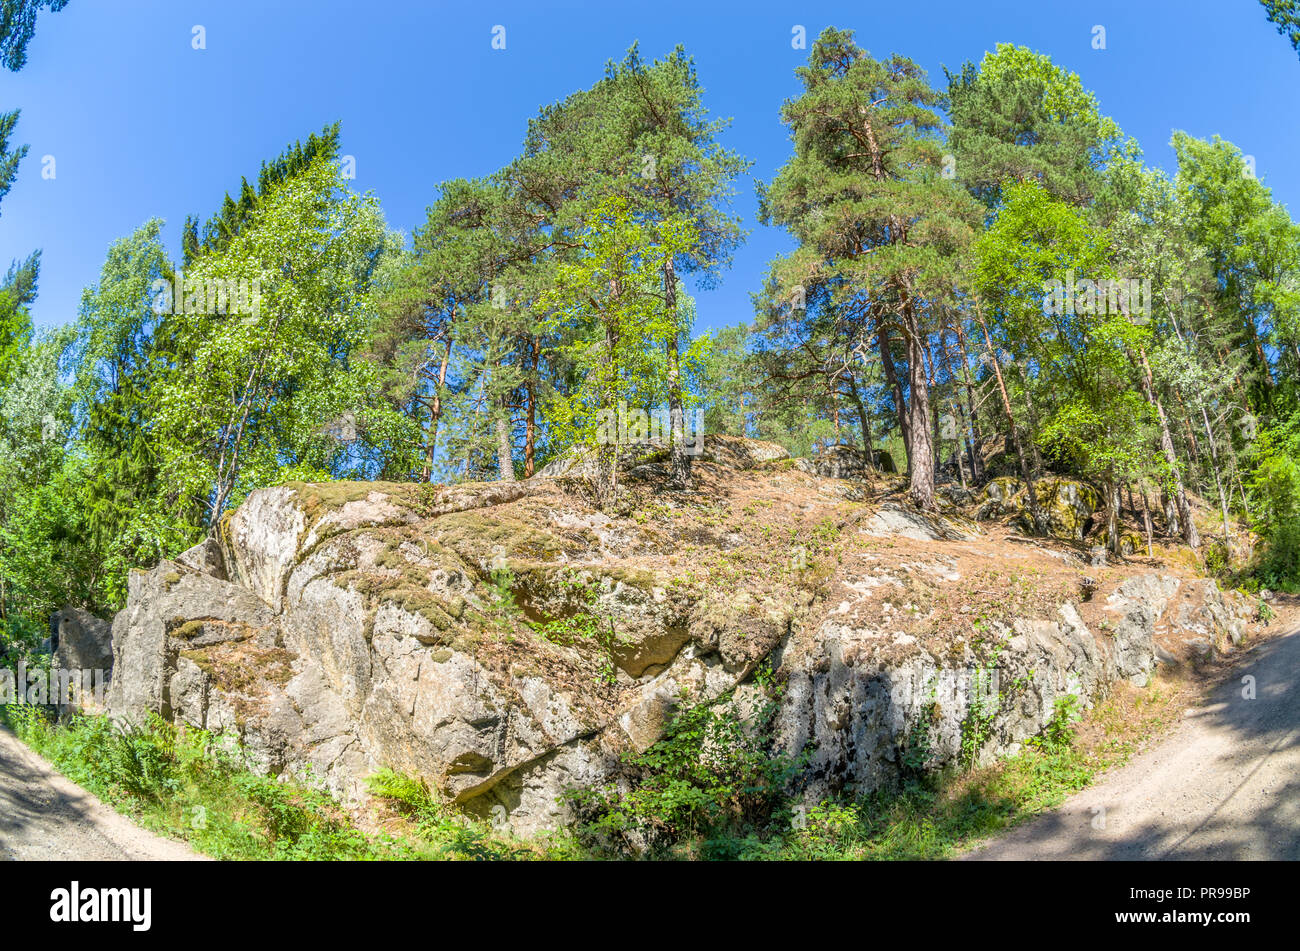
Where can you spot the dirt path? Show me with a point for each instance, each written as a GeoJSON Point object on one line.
{"type": "Point", "coordinates": [44, 816]}
{"type": "Point", "coordinates": [1225, 784]}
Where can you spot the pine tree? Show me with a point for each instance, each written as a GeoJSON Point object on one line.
{"type": "Point", "coordinates": [18, 26]}
{"type": "Point", "coordinates": [880, 226]}
{"type": "Point", "coordinates": [1019, 117]}
{"type": "Point", "coordinates": [684, 172]}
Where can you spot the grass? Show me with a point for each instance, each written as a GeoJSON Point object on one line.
{"type": "Point", "coordinates": [190, 785]}
{"type": "Point", "coordinates": [196, 787]}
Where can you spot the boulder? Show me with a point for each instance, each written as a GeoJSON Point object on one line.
{"type": "Point", "coordinates": [165, 608]}
{"type": "Point", "coordinates": [205, 558]}
{"type": "Point", "coordinates": [1131, 543]}
{"type": "Point", "coordinates": [850, 462]}
{"type": "Point", "coordinates": [739, 453]}
{"type": "Point", "coordinates": [1068, 503]}
{"type": "Point", "coordinates": [81, 641]}
{"type": "Point", "coordinates": [1221, 617]}
{"type": "Point", "coordinates": [857, 714]}
{"type": "Point", "coordinates": [82, 648]}
{"type": "Point", "coordinates": [898, 519]}
{"type": "Point", "coordinates": [1137, 604]}
{"type": "Point", "coordinates": [841, 462]}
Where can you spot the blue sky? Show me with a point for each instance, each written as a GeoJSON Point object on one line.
{"type": "Point", "coordinates": [142, 125]}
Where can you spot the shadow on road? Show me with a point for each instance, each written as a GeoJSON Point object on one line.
{"type": "Point", "coordinates": [1225, 786]}
{"type": "Point", "coordinates": [31, 808]}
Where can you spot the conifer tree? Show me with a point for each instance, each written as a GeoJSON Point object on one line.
{"type": "Point", "coordinates": [880, 227]}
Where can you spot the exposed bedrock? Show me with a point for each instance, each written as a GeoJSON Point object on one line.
{"type": "Point", "coordinates": [508, 642]}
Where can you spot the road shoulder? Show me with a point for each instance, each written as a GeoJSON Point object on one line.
{"type": "Point", "coordinates": [45, 816]}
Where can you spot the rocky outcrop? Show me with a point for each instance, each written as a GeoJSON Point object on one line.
{"type": "Point", "coordinates": [507, 642]}
{"type": "Point", "coordinates": [896, 519]}
{"type": "Point", "coordinates": [173, 614]}
{"type": "Point", "coordinates": [861, 699]}
{"type": "Point", "coordinates": [849, 462]}
{"type": "Point", "coordinates": [647, 457]}
{"type": "Point", "coordinates": [80, 641]}
{"type": "Point", "coordinates": [841, 462]}
{"type": "Point", "coordinates": [1068, 503]}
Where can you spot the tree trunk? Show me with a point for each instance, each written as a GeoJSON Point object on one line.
{"type": "Point", "coordinates": [1033, 418]}
{"type": "Point", "coordinates": [430, 441]}
{"type": "Point", "coordinates": [865, 422]}
{"type": "Point", "coordinates": [1241, 490]}
{"type": "Point", "coordinates": [530, 423]}
{"type": "Point", "coordinates": [435, 412]}
{"type": "Point", "coordinates": [956, 452]}
{"type": "Point", "coordinates": [891, 377]}
{"type": "Point", "coordinates": [1036, 514]}
{"type": "Point", "coordinates": [1218, 480]}
{"type": "Point", "coordinates": [977, 457]}
{"type": "Point", "coordinates": [228, 467]}
{"type": "Point", "coordinates": [1146, 522]}
{"type": "Point", "coordinates": [607, 454]}
{"type": "Point", "coordinates": [936, 434]}
{"type": "Point", "coordinates": [959, 416]}
{"type": "Point", "coordinates": [505, 446]}
{"type": "Point", "coordinates": [1171, 457]}
{"type": "Point", "coordinates": [680, 477]}
{"type": "Point", "coordinates": [1173, 524]}
{"type": "Point", "coordinates": [921, 454]}
{"type": "Point", "coordinates": [1193, 445]}
{"type": "Point", "coordinates": [1112, 515]}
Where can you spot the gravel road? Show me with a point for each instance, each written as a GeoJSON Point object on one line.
{"type": "Point", "coordinates": [44, 816]}
{"type": "Point", "coordinates": [1225, 784]}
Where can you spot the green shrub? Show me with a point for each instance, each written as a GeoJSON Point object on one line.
{"type": "Point", "coordinates": [986, 702]}
{"type": "Point", "coordinates": [1276, 490]}
{"type": "Point", "coordinates": [1059, 732]}
{"type": "Point", "coordinates": [712, 779]}
{"type": "Point", "coordinates": [917, 750]}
